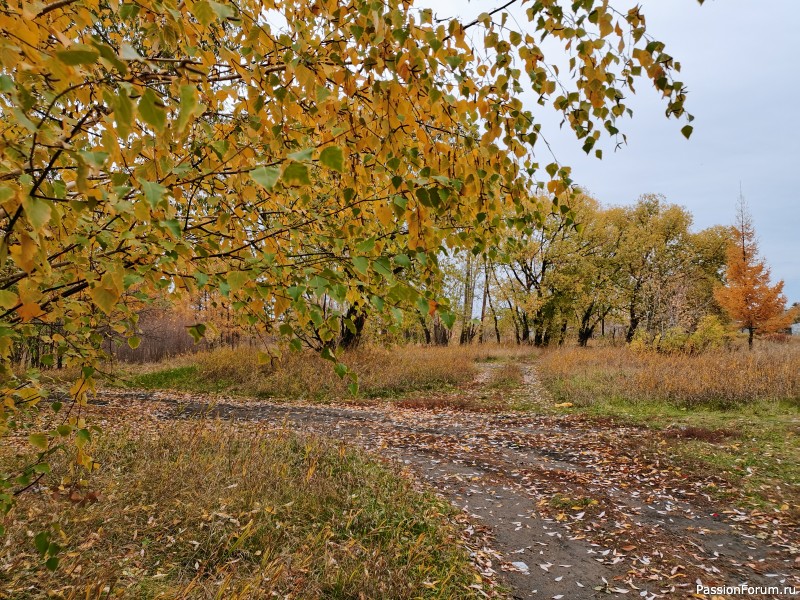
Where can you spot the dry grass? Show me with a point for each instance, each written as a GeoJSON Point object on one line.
{"type": "Point", "coordinates": [507, 375]}
{"type": "Point", "coordinates": [381, 371]}
{"type": "Point", "coordinates": [206, 510]}
{"type": "Point", "coordinates": [735, 414]}
{"type": "Point", "coordinates": [720, 379]}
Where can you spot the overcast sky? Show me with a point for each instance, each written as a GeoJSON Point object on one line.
{"type": "Point", "coordinates": [742, 69]}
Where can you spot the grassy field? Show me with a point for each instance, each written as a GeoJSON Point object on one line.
{"type": "Point", "coordinates": [732, 413]}
{"type": "Point", "coordinates": [205, 510]}
{"type": "Point", "coordinates": [381, 372]}
{"type": "Point", "coordinates": [262, 510]}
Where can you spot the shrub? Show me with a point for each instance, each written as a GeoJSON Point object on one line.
{"type": "Point", "coordinates": [709, 335]}
{"type": "Point", "coordinates": [672, 341]}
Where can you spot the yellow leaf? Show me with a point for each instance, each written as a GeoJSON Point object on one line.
{"type": "Point", "coordinates": [24, 253]}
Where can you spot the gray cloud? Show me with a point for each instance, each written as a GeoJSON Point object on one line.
{"type": "Point", "coordinates": [740, 68]}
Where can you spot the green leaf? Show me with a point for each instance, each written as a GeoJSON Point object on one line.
{"type": "Point", "coordinates": [448, 318]}
{"type": "Point", "coordinates": [197, 331]}
{"type": "Point", "coordinates": [295, 292]}
{"type": "Point", "coordinates": [687, 131]}
{"type": "Point", "coordinates": [402, 260]}
{"type": "Point", "coordinates": [322, 93]}
{"type": "Point", "coordinates": [173, 226]}
{"type": "Point", "coordinates": [188, 105]}
{"type": "Point", "coordinates": [82, 438]}
{"type": "Point", "coordinates": [237, 280]}
{"type": "Point", "coordinates": [367, 245]}
{"type": "Point", "coordinates": [38, 440]}
{"type": "Point", "coordinates": [96, 159]}
{"type": "Point", "coordinates": [107, 52]}
{"type": "Point", "coordinates": [153, 192]}
{"type": "Point", "coordinates": [123, 113]}
{"type": "Point", "coordinates": [134, 341]}
{"type": "Point", "coordinates": [41, 468]}
{"type": "Point", "coordinates": [23, 120]}
{"type": "Point", "coordinates": [361, 264]}
{"type": "Point", "coordinates": [6, 193]}
{"type": "Point", "coordinates": [381, 265]}
{"type": "Point", "coordinates": [37, 211]}
{"type": "Point", "coordinates": [296, 174]}
{"type": "Point", "coordinates": [52, 563]}
{"type": "Point", "coordinates": [333, 158]}
{"type": "Point", "coordinates": [397, 315]}
{"type": "Point", "coordinates": [126, 51]}
{"type": "Point", "coordinates": [266, 177]}
{"type": "Point", "coordinates": [78, 54]}
{"type": "Point", "coordinates": [353, 388]}
{"type": "Point", "coordinates": [422, 305]}
{"type": "Point", "coordinates": [341, 370]}
{"type": "Point", "coordinates": [152, 110]}
{"type": "Point", "coordinates": [301, 155]}
{"type": "Point", "coordinates": [223, 11]}
{"type": "Point", "coordinates": [42, 542]}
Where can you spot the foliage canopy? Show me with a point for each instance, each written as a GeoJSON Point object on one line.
{"type": "Point", "coordinates": [274, 151]}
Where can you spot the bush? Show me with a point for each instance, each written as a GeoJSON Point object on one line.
{"type": "Point", "coordinates": [709, 335]}
{"type": "Point", "coordinates": [673, 340]}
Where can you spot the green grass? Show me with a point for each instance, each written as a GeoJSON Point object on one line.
{"type": "Point", "coordinates": [208, 510]}
{"type": "Point", "coordinates": [177, 378]}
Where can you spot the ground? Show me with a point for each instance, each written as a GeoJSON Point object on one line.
{"type": "Point", "coordinates": [575, 507]}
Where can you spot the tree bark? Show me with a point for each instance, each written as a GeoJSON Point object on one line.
{"type": "Point", "coordinates": [350, 338]}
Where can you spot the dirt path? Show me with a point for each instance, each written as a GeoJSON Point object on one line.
{"type": "Point", "coordinates": [577, 508]}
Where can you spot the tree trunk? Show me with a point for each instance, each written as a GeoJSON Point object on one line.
{"type": "Point", "coordinates": [467, 329]}
{"type": "Point", "coordinates": [586, 329]}
{"type": "Point", "coordinates": [350, 336]}
{"type": "Point", "coordinates": [425, 330]}
{"type": "Point", "coordinates": [525, 327]}
{"type": "Point", "coordinates": [750, 332]}
{"type": "Point", "coordinates": [563, 334]}
{"type": "Point", "coordinates": [441, 334]}
{"type": "Point", "coordinates": [494, 318]}
{"type": "Point", "coordinates": [483, 302]}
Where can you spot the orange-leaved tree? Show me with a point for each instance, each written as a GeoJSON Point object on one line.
{"type": "Point", "coordinates": [750, 300]}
